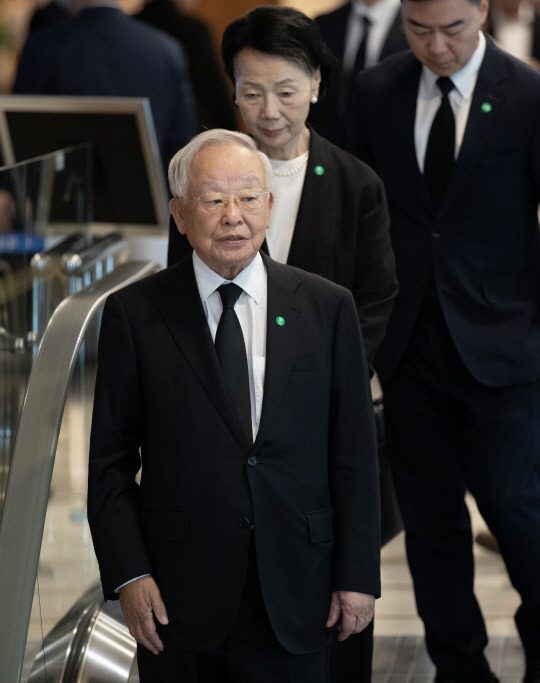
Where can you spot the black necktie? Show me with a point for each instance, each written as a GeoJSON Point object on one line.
{"type": "Point", "coordinates": [349, 77]}
{"type": "Point", "coordinates": [360, 59]}
{"type": "Point", "coordinates": [440, 150]}
{"type": "Point", "coordinates": [231, 351]}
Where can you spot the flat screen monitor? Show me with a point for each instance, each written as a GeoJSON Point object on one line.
{"type": "Point", "coordinates": [128, 183]}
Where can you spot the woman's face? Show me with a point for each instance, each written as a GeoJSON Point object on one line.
{"type": "Point", "coordinates": [274, 95]}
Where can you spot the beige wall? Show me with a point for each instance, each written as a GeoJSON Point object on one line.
{"type": "Point", "coordinates": [313, 7]}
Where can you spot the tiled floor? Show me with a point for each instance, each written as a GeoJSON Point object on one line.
{"type": "Point", "coordinates": [68, 567]}
{"type": "Point", "coordinates": [403, 659]}
{"type": "Point", "coordinates": [400, 655]}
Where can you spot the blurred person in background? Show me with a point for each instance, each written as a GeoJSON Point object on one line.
{"type": "Point", "coordinates": [515, 26]}
{"type": "Point", "coordinates": [360, 34]}
{"type": "Point", "coordinates": [103, 52]}
{"type": "Point", "coordinates": [213, 101]}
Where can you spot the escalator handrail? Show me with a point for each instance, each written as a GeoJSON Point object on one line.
{"type": "Point", "coordinates": [27, 492]}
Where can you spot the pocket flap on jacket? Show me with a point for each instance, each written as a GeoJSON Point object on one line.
{"type": "Point", "coordinates": [320, 526]}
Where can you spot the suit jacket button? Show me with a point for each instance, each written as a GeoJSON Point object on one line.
{"type": "Point", "coordinates": [252, 461]}
{"type": "Point", "coordinates": [244, 522]}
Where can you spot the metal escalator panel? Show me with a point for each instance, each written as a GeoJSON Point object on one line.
{"type": "Point", "coordinates": [90, 643]}
{"type": "Point", "coordinates": [46, 556]}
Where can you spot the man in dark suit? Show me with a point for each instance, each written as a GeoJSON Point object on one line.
{"type": "Point", "coordinates": [247, 543]}
{"type": "Point", "coordinates": [359, 34]}
{"type": "Point", "coordinates": [105, 53]}
{"type": "Point", "coordinates": [452, 128]}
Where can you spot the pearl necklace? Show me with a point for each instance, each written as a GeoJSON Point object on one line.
{"type": "Point", "coordinates": [293, 171]}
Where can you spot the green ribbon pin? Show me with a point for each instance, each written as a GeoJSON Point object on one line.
{"type": "Point", "coordinates": [486, 107]}
{"type": "Point", "coordinates": [319, 170]}
{"type": "Point", "coordinates": [280, 321]}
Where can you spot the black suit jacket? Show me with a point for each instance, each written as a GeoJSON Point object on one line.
{"type": "Point", "coordinates": [341, 233]}
{"type": "Point", "coordinates": [325, 115]}
{"type": "Point", "coordinates": [482, 244]}
{"type": "Point", "coordinates": [103, 52]}
{"type": "Point", "coordinates": [308, 484]}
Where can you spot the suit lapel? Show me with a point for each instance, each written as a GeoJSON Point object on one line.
{"type": "Point", "coordinates": [489, 93]}
{"type": "Point", "coordinates": [183, 315]}
{"type": "Point", "coordinates": [403, 105]}
{"type": "Point", "coordinates": [311, 245]}
{"type": "Point", "coordinates": [284, 327]}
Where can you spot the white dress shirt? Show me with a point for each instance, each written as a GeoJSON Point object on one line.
{"type": "Point", "coordinates": [429, 100]}
{"type": "Point", "coordinates": [251, 311]}
{"type": "Point", "coordinates": [381, 16]}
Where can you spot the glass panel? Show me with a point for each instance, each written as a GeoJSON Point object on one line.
{"type": "Point", "coordinates": [46, 253]}
{"type": "Point", "coordinates": [34, 196]}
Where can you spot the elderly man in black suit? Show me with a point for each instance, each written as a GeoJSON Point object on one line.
{"type": "Point", "coordinates": [254, 529]}
{"type": "Point", "coordinates": [453, 129]}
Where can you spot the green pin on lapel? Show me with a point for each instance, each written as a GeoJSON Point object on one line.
{"type": "Point", "coordinates": [318, 170]}
{"type": "Point", "coordinates": [280, 320]}
{"type": "Point", "coordinates": [486, 107]}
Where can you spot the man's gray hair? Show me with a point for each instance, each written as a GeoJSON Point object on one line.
{"type": "Point", "coordinates": [181, 161]}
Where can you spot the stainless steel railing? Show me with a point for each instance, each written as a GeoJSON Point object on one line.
{"type": "Point", "coordinates": [27, 492]}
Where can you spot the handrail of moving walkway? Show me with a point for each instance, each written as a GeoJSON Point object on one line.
{"type": "Point", "coordinates": [27, 493]}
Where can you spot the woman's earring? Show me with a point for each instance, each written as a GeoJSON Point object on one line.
{"type": "Point", "coordinates": [314, 99]}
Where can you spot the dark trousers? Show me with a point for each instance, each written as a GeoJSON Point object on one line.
{"type": "Point", "coordinates": [251, 652]}
{"type": "Point", "coordinates": [351, 660]}
{"type": "Point", "coordinates": [448, 434]}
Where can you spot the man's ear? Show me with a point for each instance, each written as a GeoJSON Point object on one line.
{"type": "Point", "coordinates": [176, 207]}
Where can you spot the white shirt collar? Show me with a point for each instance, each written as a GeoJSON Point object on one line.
{"type": "Point", "coordinates": [380, 12]}
{"type": "Point", "coordinates": [464, 80]}
{"type": "Point", "coordinates": [251, 279]}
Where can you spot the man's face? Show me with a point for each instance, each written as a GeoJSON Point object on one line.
{"type": "Point", "coordinates": [443, 34]}
{"type": "Point", "coordinates": [226, 238]}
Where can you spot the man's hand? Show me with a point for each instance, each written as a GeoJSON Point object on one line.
{"type": "Point", "coordinates": [356, 610]}
{"type": "Point", "coordinates": [140, 600]}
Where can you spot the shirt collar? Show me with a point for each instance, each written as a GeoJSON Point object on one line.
{"type": "Point", "coordinates": [464, 80]}
{"type": "Point", "coordinates": [251, 279]}
{"type": "Point", "coordinates": [380, 12]}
